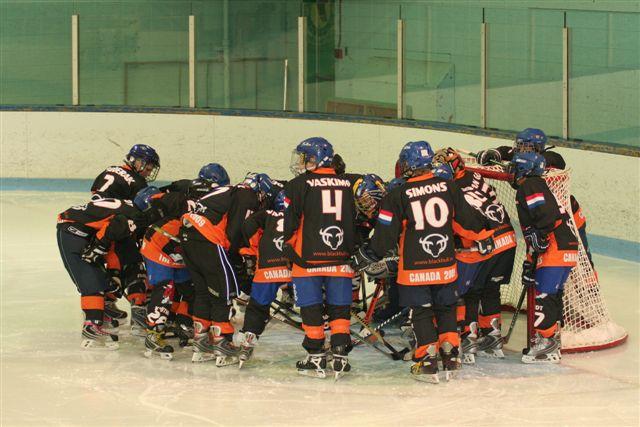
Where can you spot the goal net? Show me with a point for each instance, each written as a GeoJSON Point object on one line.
{"type": "Point", "coordinates": [587, 323]}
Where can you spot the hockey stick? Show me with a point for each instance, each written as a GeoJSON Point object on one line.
{"type": "Point", "coordinates": [377, 294]}
{"type": "Point", "coordinates": [474, 155]}
{"type": "Point", "coordinates": [523, 294]}
{"type": "Point", "coordinates": [395, 354]}
{"type": "Point", "coordinates": [392, 318]}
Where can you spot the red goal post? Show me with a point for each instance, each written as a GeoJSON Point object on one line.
{"type": "Point", "coordinates": [587, 323]}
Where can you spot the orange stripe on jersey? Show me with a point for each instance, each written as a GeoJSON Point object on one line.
{"type": "Point", "coordinates": [314, 332]}
{"type": "Point", "coordinates": [451, 337]}
{"type": "Point", "coordinates": [340, 326]}
{"type": "Point", "coordinates": [94, 302]}
{"type": "Point", "coordinates": [502, 242]}
{"type": "Point", "coordinates": [112, 260]}
{"type": "Point", "coordinates": [344, 270]}
{"type": "Point", "coordinates": [215, 233]}
{"type": "Point", "coordinates": [468, 234]}
{"type": "Point", "coordinates": [579, 218]}
{"type": "Point", "coordinates": [272, 275]}
{"type": "Point", "coordinates": [554, 257]}
{"type": "Point", "coordinates": [431, 276]}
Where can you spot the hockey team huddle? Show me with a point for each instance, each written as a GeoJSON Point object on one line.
{"type": "Point", "coordinates": [189, 257]}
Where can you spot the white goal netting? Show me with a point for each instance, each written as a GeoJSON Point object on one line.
{"type": "Point", "coordinates": [587, 323]}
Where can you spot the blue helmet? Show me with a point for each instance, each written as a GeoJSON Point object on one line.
{"type": "Point", "coordinates": [444, 171]}
{"type": "Point", "coordinates": [526, 164]}
{"type": "Point", "coordinates": [310, 154]}
{"type": "Point", "coordinates": [278, 202]}
{"type": "Point", "coordinates": [142, 200]}
{"type": "Point", "coordinates": [261, 184]}
{"type": "Point", "coordinates": [530, 140]}
{"type": "Point", "coordinates": [367, 193]}
{"type": "Point", "coordinates": [214, 172]}
{"type": "Point", "coordinates": [395, 182]}
{"type": "Point", "coordinates": [144, 160]}
{"type": "Point", "coordinates": [415, 155]}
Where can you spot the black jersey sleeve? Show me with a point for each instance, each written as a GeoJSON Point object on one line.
{"type": "Point", "coordinates": [245, 202]}
{"type": "Point", "coordinates": [294, 199]}
{"type": "Point", "coordinates": [506, 153]}
{"type": "Point", "coordinates": [252, 225]}
{"type": "Point", "coordinates": [389, 225]}
{"type": "Point", "coordinates": [468, 222]}
{"type": "Point", "coordinates": [181, 186]}
{"type": "Point", "coordinates": [537, 206]}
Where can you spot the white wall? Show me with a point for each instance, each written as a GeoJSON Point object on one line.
{"type": "Point", "coordinates": [79, 145]}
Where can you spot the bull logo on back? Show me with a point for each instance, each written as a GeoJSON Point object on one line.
{"type": "Point", "coordinates": [434, 244]}
{"type": "Point", "coordinates": [495, 212]}
{"type": "Point", "coordinates": [279, 241]}
{"type": "Point", "coordinates": [332, 236]}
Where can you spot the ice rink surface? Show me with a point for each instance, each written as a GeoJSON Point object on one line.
{"type": "Point", "coordinates": [48, 380]}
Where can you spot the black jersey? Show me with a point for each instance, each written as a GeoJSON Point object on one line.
{"type": "Point", "coordinates": [263, 234]}
{"type": "Point", "coordinates": [421, 218]}
{"type": "Point", "coordinates": [118, 182]}
{"type": "Point", "coordinates": [207, 220]}
{"type": "Point", "coordinates": [538, 208]}
{"type": "Point", "coordinates": [107, 219]}
{"type": "Point", "coordinates": [245, 202]}
{"type": "Point", "coordinates": [319, 221]}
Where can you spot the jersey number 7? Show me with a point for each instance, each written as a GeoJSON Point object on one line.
{"type": "Point", "coordinates": [332, 208]}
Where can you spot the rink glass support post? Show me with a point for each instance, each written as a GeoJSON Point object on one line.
{"type": "Point", "coordinates": [483, 72]}
{"type": "Point", "coordinates": [75, 95]}
{"type": "Point", "coordinates": [285, 82]}
{"type": "Point", "coordinates": [565, 81]}
{"type": "Point", "coordinates": [192, 61]}
{"type": "Point", "coordinates": [302, 40]}
{"type": "Point", "coordinates": [400, 70]}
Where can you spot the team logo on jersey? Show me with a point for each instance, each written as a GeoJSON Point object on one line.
{"type": "Point", "coordinates": [279, 241]}
{"type": "Point", "coordinates": [495, 212]}
{"type": "Point", "coordinates": [434, 244]}
{"type": "Point", "coordinates": [332, 236]}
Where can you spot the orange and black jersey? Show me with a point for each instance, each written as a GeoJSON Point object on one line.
{"type": "Point", "coordinates": [481, 196]}
{"type": "Point", "coordinates": [421, 218]}
{"type": "Point", "coordinates": [109, 220]}
{"type": "Point", "coordinates": [538, 208]}
{"type": "Point", "coordinates": [192, 188]}
{"type": "Point", "coordinates": [208, 219]}
{"type": "Point", "coordinates": [118, 182]}
{"type": "Point", "coordinates": [245, 202]}
{"type": "Point", "coordinates": [161, 243]}
{"type": "Point", "coordinates": [319, 220]}
{"type": "Point", "coordinates": [263, 235]}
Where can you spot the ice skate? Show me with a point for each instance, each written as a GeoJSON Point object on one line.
{"type": "Point", "coordinates": [246, 348]}
{"type": "Point", "coordinates": [490, 344]}
{"type": "Point", "coordinates": [94, 337]}
{"type": "Point", "coordinates": [139, 320]}
{"type": "Point", "coordinates": [427, 368]}
{"type": "Point", "coordinates": [184, 334]}
{"type": "Point", "coordinates": [156, 345]}
{"type": "Point", "coordinates": [450, 360]}
{"type": "Point", "coordinates": [112, 310]}
{"type": "Point", "coordinates": [225, 352]}
{"type": "Point", "coordinates": [203, 350]}
{"type": "Point", "coordinates": [469, 345]}
{"type": "Point", "coordinates": [340, 362]}
{"type": "Point", "coordinates": [314, 365]}
{"type": "Point", "coordinates": [544, 350]}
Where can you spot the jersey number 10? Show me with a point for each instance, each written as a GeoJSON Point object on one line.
{"type": "Point", "coordinates": [435, 219]}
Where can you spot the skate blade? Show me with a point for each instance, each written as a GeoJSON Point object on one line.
{"type": "Point", "coordinates": [492, 354]}
{"type": "Point", "coordinates": [312, 373]}
{"type": "Point", "coordinates": [222, 361]}
{"type": "Point", "coordinates": [449, 375]}
{"type": "Point", "coordinates": [94, 345]}
{"type": "Point", "coordinates": [427, 378]}
{"type": "Point", "coordinates": [164, 356]}
{"type": "Point", "coordinates": [338, 375]}
{"type": "Point", "coordinates": [549, 360]}
{"type": "Point", "coordinates": [469, 359]}
{"type": "Point", "coordinates": [136, 331]}
{"type": "Point", "coordinates": [202, 357]}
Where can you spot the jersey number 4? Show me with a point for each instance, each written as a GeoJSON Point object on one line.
{"type": "Point", "coordinates": [335, 207]}
{"type": "Point", "coordinates": [435, 212]}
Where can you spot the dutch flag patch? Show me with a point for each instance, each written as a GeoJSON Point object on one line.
{"type": "Point", "coordinates": [535, 200]}
{"type": "Point", "coordinates": [385, 217]}
{"type": "Point", "coordinates": [286, 202]}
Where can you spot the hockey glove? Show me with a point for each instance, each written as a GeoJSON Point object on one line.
{"type": "Point", "coordinates": [536, 239]}
{"type": "Point", "coordinates": [95, 251]}
{"type": "Point", "coordinates": [486, 246]}
{"type": "Point", "coordinates": [488, 157]}
{"type": "Point", "coordinates": [528, 274]}
{"type": "Point", "coordinates": [382, 269]}
{"type": "Point", "coordinates": [363, 258]}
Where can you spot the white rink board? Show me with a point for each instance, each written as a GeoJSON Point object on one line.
{"type": "Point", "coordinates": [78, 145]}
{"type": "Point", "coordinates": [48, 380]}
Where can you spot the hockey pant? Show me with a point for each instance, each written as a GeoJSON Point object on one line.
{"type": "Point", "coordinates": [256, 316]}
{"type": "Point", "coordinates": [482, 300]}
{"type": "Point", "coordinates": [126, 268]}
{"type": "Point", "coordinates": [432, 314]}
{"type": "Point", "coordinates": [215, 284]}
{"type": "Point", "coordinates": [308, 292]}
{"type": "Point", "coordinates": [165, 298]}
{"type": "Point", "coordinates": [90, 279]}
{"type": "Point", "coordinates": [549, 291]}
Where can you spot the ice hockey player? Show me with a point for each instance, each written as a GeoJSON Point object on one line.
{"type": "Point", "coordinates": [535, 140]}
{"type": "Point", "coordinates": [421, 217]}
{"type": "Point", "coordinates": [552, 250]}
{"type": "Point", "coordinates": [320, 236]}
{"type": "Point", "coordinates": [86, 234]}
{"type": "Point", "coordinates": [480, 276]}
{"type": "Point", "coordinates": [263, 234]}
{"type": "Point", "coordinates": [124, 265]}
{"type": "Point", "coordinates": [210, 176]}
